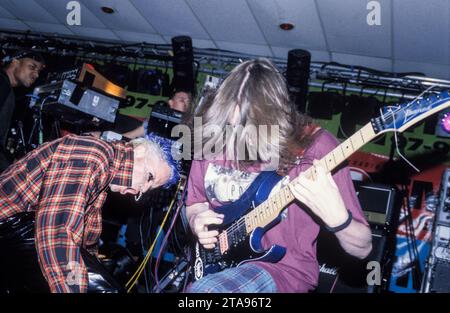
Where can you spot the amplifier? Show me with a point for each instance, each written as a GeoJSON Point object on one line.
{"type": "Point", "coordinates": [163, 119]}
{"type": "Point", "coordinates": [440, 278]}
{"type": "Point", "coordinates": [341, 273]}
{"type": "Point", "coordinates": [88, 101]}
{"type": "Point", "coordinates": [436, 276]}
{"type": "Point", "coordinates": [377, 202]}
{"type": "Point", "coordinates": [72, 102]}
{"type": "Point", "coordinates": [443, 211]}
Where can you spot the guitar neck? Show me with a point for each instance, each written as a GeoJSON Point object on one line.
{"type": "Point", "coordinates": [267, 211]}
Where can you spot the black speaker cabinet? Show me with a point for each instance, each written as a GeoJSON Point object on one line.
{"type": "Point", "coordinates": [342, 273]}
{"type": "Point", "coordinates": [297, 75]}
{"type": "Point", "coordinates": [183, 64]}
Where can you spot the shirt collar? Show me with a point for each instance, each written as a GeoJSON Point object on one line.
{"type": "Point", "coordinates": [123, 164]}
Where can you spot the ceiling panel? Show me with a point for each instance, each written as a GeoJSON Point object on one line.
{"type": "Point", "coordinates": [382, 64]}
{"type": "Point", "coordinates": [431, 70]}
{"type": "Point", "coordinates": [139, 37]}
{"type": "Point", "coordinates": [307, 31]}
{"type": "Point", "coordinates": [171, 17]}
{"type": "Point", "coordinates": [57, 9]}
{"type": "Point", "coordinates": [261, 50]}
{"type": "Point", "coordinates": [97, 33]}
{"type": "Point", "coordinates": [422, 31]}
{"type": "Point", "coordinates": [126, 16]}
{"type": "Point", "coordinates": [28, 10]}
{"type": "Point", "coordinates": [5, 13]}
{"type": "Point", "coordinates": [203, 43]}
{"type": "Point", "coordinates": [15, 25]}
{"type": "Point", "coordinates": [347, 30]}
{"type": "Point", "coordinates": [230, 20]}
{"type": "Point", "coordinates": [50, 28]}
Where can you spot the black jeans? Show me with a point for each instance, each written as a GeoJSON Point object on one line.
{"type": "Point", "coordinates": [19, 267]}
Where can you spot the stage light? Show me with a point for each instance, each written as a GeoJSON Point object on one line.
{"type": "Point", "coordinates": [445, 122]}
{"type": "Point", "coordinates": [442, 128]}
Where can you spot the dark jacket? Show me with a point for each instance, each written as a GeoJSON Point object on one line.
{"type": "Point", "coordinates": [7, 103]}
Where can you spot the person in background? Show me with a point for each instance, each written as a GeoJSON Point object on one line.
{"type": "Point", "coordinates": [180, 101]}
{"type": "Point", "coordinates": [20, 69]}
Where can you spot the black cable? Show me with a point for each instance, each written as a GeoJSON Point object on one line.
{"type": "Point", "coordinates": [164, 244]}
{"type": "Point", "coordinates": [177, 246]}
{"type": "Point", "coordinates": [147, 272]}
{"type": "Point", "coordinates": [186, 278]}
{"type": "Point", "coordinates": [371, 70]}
{"type": "Point", "coordinates": [175, 242]}
{"type": "Point", "coordinates": [173, 239]}
{"type": "Point", "coordinates": [411, 238]}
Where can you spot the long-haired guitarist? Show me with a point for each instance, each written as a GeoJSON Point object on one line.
{"type": "Point", "coordinates": [255, 94]}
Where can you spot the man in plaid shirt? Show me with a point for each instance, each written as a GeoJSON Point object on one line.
{"type": "Point", "coordinates": [65, 183]}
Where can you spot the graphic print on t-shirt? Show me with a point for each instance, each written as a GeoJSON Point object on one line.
{"type": "Point", "coordinates": [224, 184]}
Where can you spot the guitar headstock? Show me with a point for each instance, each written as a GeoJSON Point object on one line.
{"type": "Point", "coordinates": [399, 118]}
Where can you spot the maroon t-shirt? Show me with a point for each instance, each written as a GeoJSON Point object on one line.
{"type": "Point", "coordinates": [218, 183]}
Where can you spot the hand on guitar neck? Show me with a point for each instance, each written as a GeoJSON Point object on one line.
{"type": "Point", "coordinates": [321, 195]}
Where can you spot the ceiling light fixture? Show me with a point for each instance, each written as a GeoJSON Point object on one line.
{"type": "Point", "coordinates": [286, 26]}
{"type": "Point", "coordinates": [108, 10]}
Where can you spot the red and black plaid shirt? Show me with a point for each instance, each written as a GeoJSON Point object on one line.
{"type": "Point", "coordinates": [65, 182]}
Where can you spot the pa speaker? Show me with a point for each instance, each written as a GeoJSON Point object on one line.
{"type": "Point", "coordinates": [297, 75]}
{"type": "Point", "coordinates": [183, 64]}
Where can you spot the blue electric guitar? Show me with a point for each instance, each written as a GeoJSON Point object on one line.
{"type": "Point", "coordinates": [247, 219]}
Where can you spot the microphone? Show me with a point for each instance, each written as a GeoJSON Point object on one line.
{"type": "Point", "coordinates": [34, 97]}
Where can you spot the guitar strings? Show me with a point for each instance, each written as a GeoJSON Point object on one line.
{"type": "Point", "coordinates": [235, 226]}
{"type": "Point", "coordinates": [263, 207]}
{"type": "Point", "coordinates": [395, 128]}
{"type": "Point", "coordinates": [398, 150]}
{"type": "Point", "coordinates": [398, 108]}
{"type": "Point", "coordinates": [241, 222]}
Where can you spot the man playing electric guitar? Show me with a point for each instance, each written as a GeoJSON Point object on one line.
{"type": "Point", "coordinates": [255, 93]}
